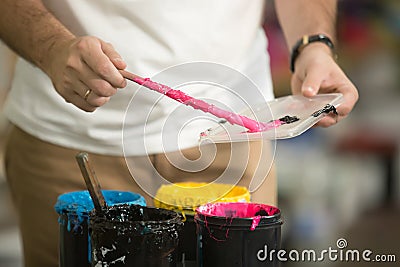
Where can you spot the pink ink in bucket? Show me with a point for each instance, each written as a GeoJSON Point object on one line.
{"type": "Point", "coordinates": [231, 234]}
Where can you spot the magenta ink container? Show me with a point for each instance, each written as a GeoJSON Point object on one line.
{"type": "Point", "coordinates": [237, 234]}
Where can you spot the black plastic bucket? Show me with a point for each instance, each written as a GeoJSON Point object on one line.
{"type": "Point", "coordinates": [237, 234]}
{"type": "Point", "coordinates": [187, 243]}
{"type": "Point", "coordinates": [73, 209]}
{"type": "Point", "coordinates": [132, 235]}
{"type": "Point", "coordinates": [184, 198]}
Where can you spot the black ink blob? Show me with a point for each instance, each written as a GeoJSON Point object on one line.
{"type": "Point", "coordinates": [261, 213]}
{"type": "Point", "coordinates": [289, 119]}
{"type": "Point", "coordinates": [327, 109]}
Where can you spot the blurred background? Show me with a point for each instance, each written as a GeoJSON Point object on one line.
{"type": "Point", "coordinates": [340, 182]}
{"type": "Point", "coordinates": [343, 182]}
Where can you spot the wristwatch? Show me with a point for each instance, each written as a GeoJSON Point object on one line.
{"type": "Point", "coordinates": [306, 40]}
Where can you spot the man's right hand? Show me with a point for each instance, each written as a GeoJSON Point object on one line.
{"type": "Point", "coordinates": [84, 71]}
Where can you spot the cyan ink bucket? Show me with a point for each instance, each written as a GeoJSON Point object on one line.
{"type": "Point", "coordinates": [184, 198]}
{"type": "Point", "coordinates": [237, 234]}
{"type": "Point", "coordinates": [74, 209]}
{"type": "Point", "coordinates": [132, 235]}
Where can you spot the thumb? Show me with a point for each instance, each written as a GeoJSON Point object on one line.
{"type": "Point", "coordinates": [311, 83]}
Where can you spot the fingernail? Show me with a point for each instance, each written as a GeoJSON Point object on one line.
{"type": "Point", "coordinates": [118, 59]}
{"type": "Point", "coordinates": [119, 63]}
{"type": "Point", "coordinates": [309, 89]}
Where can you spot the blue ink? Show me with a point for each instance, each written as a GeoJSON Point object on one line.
{"type": "Point", "coordinates": [77, 205]}
{"type": "Point", "coordinates": [74, 209]}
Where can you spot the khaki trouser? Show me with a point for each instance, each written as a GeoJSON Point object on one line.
{"type": "Point", "coordinates": [38, 172]}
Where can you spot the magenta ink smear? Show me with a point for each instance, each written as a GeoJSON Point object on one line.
{"type": "Point", "coordinates": [233, 118]}
{"type": "Point", "coordinates": [293, 110]}
{"type": "Point", "coordinates": [132, 235]}
{"type": "Point", "coordinates": [276, 123]}
{"type": "Point", "coordinates": [284, 117]}
{"type": "Point", "coordinates": [74, 209]}
{"type": "Point", "coordinates": [231, 234]}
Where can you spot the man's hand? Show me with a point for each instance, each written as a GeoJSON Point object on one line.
{"type": "Point", "coordinates": [316, 72]}
{"type": "Point", "coordinates": [315, 69]}
{"type": "Point", "coordinates": [84, 71]}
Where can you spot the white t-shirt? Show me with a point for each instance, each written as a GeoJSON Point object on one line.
{"type": "Point", "coordinates": [189, 45]}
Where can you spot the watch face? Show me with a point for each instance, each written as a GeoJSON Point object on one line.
{"type": "Point", "coordinates": [287, 117]}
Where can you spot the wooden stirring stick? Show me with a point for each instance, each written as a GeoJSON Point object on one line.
{"type": "Point", "coordinates": [91, 182]}
{"type": "Point", "coordinates": [129, 75]}
{"type": "Point", "coordinates": [233, 118]}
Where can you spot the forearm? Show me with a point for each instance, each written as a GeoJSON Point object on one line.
{"type": "Point", "coordinates": [306, 17]}
{"type": "Point", "coordinates": [316, 71]}
{"type": "Point", "coordinates": [28, 28]}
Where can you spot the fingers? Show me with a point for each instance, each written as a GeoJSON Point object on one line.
{"type": "Point", "coordinates": [98, 85]}
{"type": "Point", "coordinates": [350, 98]}
{"type": "Point", "coordinates": [312, 82]}
{"type": "Point", "coordinates": [329, 120]}
{"type": "Point", "coordinates": [325, 76]}
{"type": "Point", "coordinates": [94, 100]}
{"type": "Point", "coordinates": [100, 57]}
{"type": "Point", "coordinates": [90, 97]}
{"type": "Point", "coordinates": [87, 105]}
{"type": "Point", "coordinates": [113, 55]}
{"type": "Point", "coordinates": [85, 98]}
{"type": "Point", "coordinates": [86, 73]}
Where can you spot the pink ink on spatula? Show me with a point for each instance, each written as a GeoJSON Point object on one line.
{"type": "Point", "coordinates": [233, 118]}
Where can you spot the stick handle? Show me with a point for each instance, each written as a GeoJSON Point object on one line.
{"type": "Point", "coordinates": [129, 75]}
{"type": "Point", "coordinates": [91, 181]}
{"type": "Point", "coordinates": [233, 118]}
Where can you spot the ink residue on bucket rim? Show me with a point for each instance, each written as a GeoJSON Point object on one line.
{"type": "Point", "coordinates": [225, 240]}
{"type": "Point", "coordinates": [238, 214]}
{"type": "Point", "coordinates": [237, 210]}
{"type": "Point", "coordinates": [75, 206]}
{"type": "Point", "coordinates": [81, 202]}
{"type": "Point", "coordinates": [132, 213]}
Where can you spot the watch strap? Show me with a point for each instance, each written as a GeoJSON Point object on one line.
{"type": "Point", "coordinates": [306, 40]}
